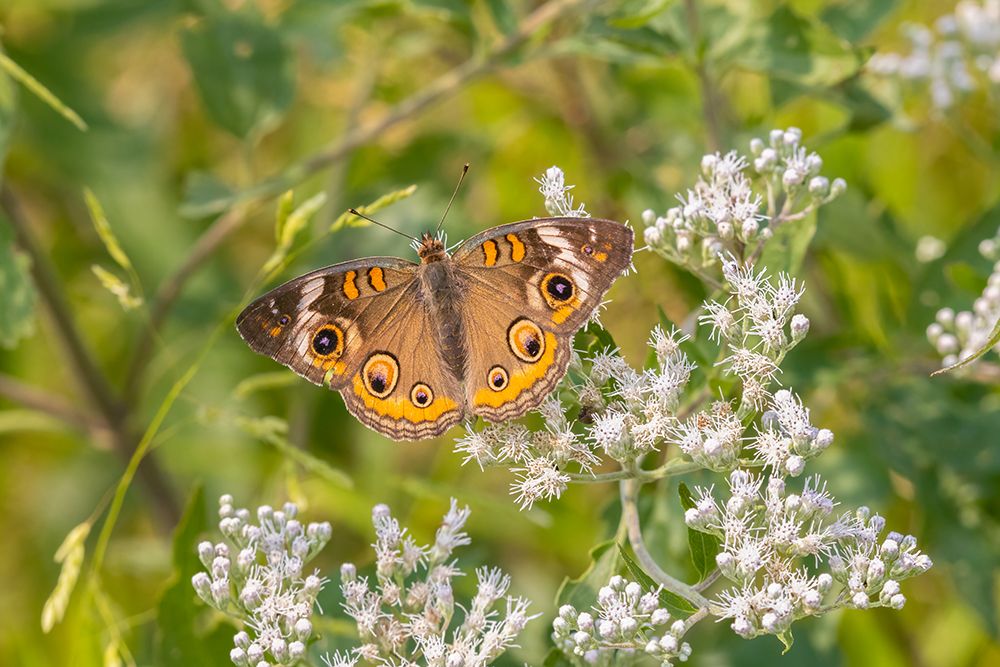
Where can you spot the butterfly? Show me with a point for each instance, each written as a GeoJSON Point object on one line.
{"type": "Point", "coordinates": [415, 348]}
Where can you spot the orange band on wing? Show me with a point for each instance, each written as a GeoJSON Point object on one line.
{"type": "Point", "coordinates": [350, 288]}
{"type": "Point", "coordinates": [516, 247]}
{"type": "Point", "coordinates": [490, 251]}
{"type": "Point", "coordinates": [402, 408]}
{"type": "Point", "coordinates": [376, 278]}
{"type": "Point", "coordinates": [519, 380]}
{"type": "Point", "coordinates": [563, 312]}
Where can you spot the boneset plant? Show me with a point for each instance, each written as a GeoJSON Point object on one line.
{"type": "Point", "coordinates": [770, 542]}
{"type": "Point", "coordinates": [256, 574]}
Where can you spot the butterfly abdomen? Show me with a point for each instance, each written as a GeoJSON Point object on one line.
{"type": "Point", "coordinates": [442, 288]}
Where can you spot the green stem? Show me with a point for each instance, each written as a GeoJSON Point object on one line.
{"type": "Point", "coordinates": [669, 469]}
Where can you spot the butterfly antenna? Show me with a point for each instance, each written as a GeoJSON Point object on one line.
{"type": "Point", "coordinates": [358, 213]}
{"type": "Point", "coordinates": [465, 170]}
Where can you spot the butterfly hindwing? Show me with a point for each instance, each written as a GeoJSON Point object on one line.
{"type": "Point", "coordinates": [531, 285]}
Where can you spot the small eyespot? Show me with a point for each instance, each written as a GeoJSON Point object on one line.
{"type": "Point", "coordinates": [421, 395]}
{"type": "Point", "coordinates": [284, 319]}
{"type": "Point", "coordinates": [557, 289]}
{"type": "Point", "coordinates": [497, 378]}
{"type": "Point", "coordinates": [328, 341]}
{"type": "Point", "coordinates": [525, 340]}
{"type": "Point", "coordinates": [587, 249]}
{"type": "Point", "coordinates": [380, 374]}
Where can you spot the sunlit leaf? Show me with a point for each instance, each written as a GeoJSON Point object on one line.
{"type": "Point", "coordinates": [8, 114]}
{"type": "Point", "coordinates": [70, 554]}
{"type": "Point", "coordinates": [117, 287]}
{"type": "Point", "coordinates": [18, 73]}
{"type": "Point", "coordinates": [17, 291]}
{"type": "Point", "coordinates": [243, 71]}
{"type": "Point", "coordinates": [856, 20]}
{"type": "Point", "coordinates": [349, 219]}
{"type": "Point", "coordinates": [290, 224]}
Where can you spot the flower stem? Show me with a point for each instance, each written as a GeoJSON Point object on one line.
{"type": "Point", "coordinates": [669, 469]}
{"type": "Point", "coordinates": [629, 490]}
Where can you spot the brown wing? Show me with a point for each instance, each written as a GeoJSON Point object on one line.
{"type": "Point", "coordinates": [531, 285]}
{"type": "Point", "coordinates": [361, 328]}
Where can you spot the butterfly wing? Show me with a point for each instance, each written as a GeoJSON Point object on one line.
{"type": "Point", "coordinates": [361, 328]}
{"type": "Point", "coordinates": [530, 287]}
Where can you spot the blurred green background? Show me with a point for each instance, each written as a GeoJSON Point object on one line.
{"type": "Point", "coordinates": [190, 103]}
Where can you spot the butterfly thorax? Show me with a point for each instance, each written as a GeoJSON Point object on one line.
{"type": "Point", "coordinates": [431, 249]}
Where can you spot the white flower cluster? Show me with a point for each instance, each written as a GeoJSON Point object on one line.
{"type": "Point", "coordinates": [558, 200]}
{"type": "Point", "coordinates": [723, 212]}
{"type": "Point", "coordinates": [766, 531]}
{"type": "Point", "coordinates": [408, 617]}
{"type": "Point", "coordinates": [257, 575]}
{"type": "Point", "coordinates": [628, 411]}
{"type": "Point", "coordinates": [956, 336]}
{"type": "Point", "coordinates": [626, 621]}
{"type": "Point", "coordinates": [944, 58]}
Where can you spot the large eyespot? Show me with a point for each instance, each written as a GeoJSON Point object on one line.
{"type": "Point", "coordinates": [328, 342]}
{"type": "Point", "coordinates": [497, 378]}
{"type": "Point", "coordinates": [557, 288]}
{"type": "Point", "coordinates": [421, 395]}
{"type": "Point", "coordinates": [525, 340]}
{"type": "Point", "coordinates": [380, 374]}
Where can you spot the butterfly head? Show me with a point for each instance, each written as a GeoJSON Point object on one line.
{"type": "Point", "coordinates": [431, 248]}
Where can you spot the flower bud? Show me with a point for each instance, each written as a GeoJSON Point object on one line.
{"type": "Point", "coordinates": [296, 651]}
{"type": "Point", "coordinates": [659, 617]}
{"type": "Point", "coordinates": [756, 146]}
{"type": "Point", "coordinates": [648, 216]}
{"type": "Point", "coordinates": [838, 187]}
{"type": "Point", "coordinates": [652, 236]}
{"type": "Point", "coordinates": [819, 186]}
{"type": "Point", "coordinates": [238, 657]}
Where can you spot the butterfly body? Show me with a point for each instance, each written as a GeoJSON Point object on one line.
{"type": "Point", "coordinates": [415, 348]}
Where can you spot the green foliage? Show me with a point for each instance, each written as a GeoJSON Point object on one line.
{"type": "Point", "coordinates": [243, 70]}
{"type": "Point", "coordinates": [675, 603]}
{"type": "Point", "coordinates": [703, 546]}
{"type": "Point", "coordinates": [186, 632]}
{"type": "Point", "coordinates": [17, 291]}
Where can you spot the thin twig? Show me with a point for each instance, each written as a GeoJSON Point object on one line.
{"type": "Point", "coordinates": [668, 469]}
{"type": "Point", "coordinates": [37, 399]}
{"type": "Point", "coordinates": [629, 490]}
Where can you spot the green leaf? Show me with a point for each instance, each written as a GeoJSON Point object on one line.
{"type": "Point", "coordinates": [601, 338]}
{"type": "Point", "coordinates": [273, 430]}
{"type": "Point", "coordinates": [243, 71]}
{"type": "Point", "coordinates": [117, 287]}
{"type": "Point", "coordinates": [786, 640]}
{"type": "Point", "coordinates": [262, 381]}
{"type": "Point", "coordinates": [556, 658]}
{"type": "Point", "coordinates": [786, 250]}
{"type": "Point", "coordinates": [17, 73]}
{"type": "Point", "coordinates": [582, 591]}
{"type": "Point", "coordinates": [704, 547]}
{"type": "Point", "coordinates": [289, 225]}
{"type": "Point", "coordinates": [202, 194]}
{"type": "Point", "coordinates": [185, 636]}
{"type": "Point", "coordinates": [503, 15]}
{"type": "Point", "coordinates": [675, 603]}
{"type": "Point", "coordinates": [993, 340]}
{"type": "Point", "coordinates": [637, 13]}
{"type": "Point", "coordinates": [854, 20]}
{"type": "Point", "coordinates": [789, 46]}
{"type": "Point", "coordinates": [346, 218]}
{"type": "Point", "coordinates": [17, 291]}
